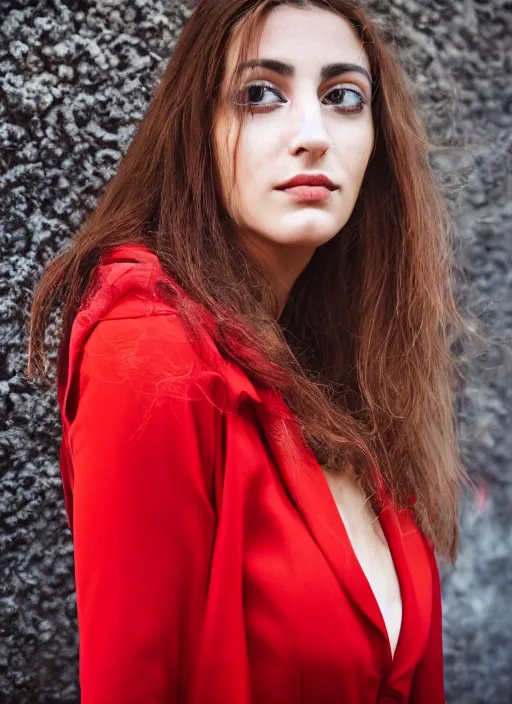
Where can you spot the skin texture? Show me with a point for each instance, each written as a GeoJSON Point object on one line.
{"type": "Point", "coordinates": [296, 130]}
{"type": "Point", "coordinates": [304, 132]}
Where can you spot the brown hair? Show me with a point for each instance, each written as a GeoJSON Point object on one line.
{"type": "Point", "coordinates": [365, 363]}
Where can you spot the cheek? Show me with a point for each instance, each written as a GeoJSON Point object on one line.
{"type": "Point", "coordinates": [355, 148]}
{"type": "Point", "coordinates": [257, 150]}
{"type": "Point", "coordinates": [238, 185]}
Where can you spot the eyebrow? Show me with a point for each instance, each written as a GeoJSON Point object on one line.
{"type": "Point", "coordinates": [284, 69]}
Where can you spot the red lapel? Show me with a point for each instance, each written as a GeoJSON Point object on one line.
{"type": "Point", "coordinates": [312, 496]}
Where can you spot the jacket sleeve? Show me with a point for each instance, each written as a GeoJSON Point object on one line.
{"type": "Point", "coordinates": [142, 449]}
{"type": "Point", "coordinates": [428, 682]}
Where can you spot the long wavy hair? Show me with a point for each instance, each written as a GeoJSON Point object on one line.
{"type": "Point", "coordinates": [362, 352]}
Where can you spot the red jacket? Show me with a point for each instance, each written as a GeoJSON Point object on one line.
{"type": "Point", "coordinates": [211, 562]}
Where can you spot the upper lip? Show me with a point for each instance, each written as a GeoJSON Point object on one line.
{"type": "Point", "coordinates": [308, 180]}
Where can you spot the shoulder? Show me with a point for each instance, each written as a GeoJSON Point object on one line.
{"type": "Point", "coordinates": [149, 351]}
{"type": "Point", "coordinates": [147, 344]}
{"type": "Point", "coordinates": [140, 379]}
{"type": "Point", "coordinates": [126, 331]}
{"type": "Point", "coordinates": [128, 308]}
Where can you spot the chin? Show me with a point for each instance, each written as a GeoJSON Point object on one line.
{"type": "Point", "coordinates": [309, 236]}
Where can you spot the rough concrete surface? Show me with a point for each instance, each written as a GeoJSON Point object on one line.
{"type": "Point", "coordinates": [75, 78]}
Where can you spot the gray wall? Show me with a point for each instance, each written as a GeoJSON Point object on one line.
{"type": "Point", "coordinates": [76, 78]}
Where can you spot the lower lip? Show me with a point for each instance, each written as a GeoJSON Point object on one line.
{"type": "Point", "coordinates": [307, 192]}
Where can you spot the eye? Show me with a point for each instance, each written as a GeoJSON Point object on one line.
{"type": "Point", "coordinates": [354, 100]}
{"type": "Point", "coordinates": [252, 94]}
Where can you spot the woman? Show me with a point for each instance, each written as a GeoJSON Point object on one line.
{"type": "Point", "coordinates": [258, 453]}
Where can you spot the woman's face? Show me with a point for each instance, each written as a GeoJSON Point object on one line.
{"type": "Point", "coordinates": [302, 122]}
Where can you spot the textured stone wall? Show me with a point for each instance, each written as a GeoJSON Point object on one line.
{"type": "Point", "coordinates": [75, 77]}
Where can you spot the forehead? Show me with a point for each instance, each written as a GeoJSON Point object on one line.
{"type": "Point", "coordinates": [307, 38]}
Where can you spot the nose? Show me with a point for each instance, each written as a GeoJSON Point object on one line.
{"type": "Point", "coordinates": [311, 134]}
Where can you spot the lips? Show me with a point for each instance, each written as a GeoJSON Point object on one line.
{"type": "Point", "coordinates": [308, 180]}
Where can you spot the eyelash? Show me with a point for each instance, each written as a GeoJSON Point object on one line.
{"type": "Point", "coordinates": [269, 106]}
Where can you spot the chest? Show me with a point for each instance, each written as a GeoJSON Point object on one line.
{"type": "Point", "coordinates": [371, 550]}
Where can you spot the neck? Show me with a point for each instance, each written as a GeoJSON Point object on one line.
{"type": "Point", "coordinates": [283, 262]}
